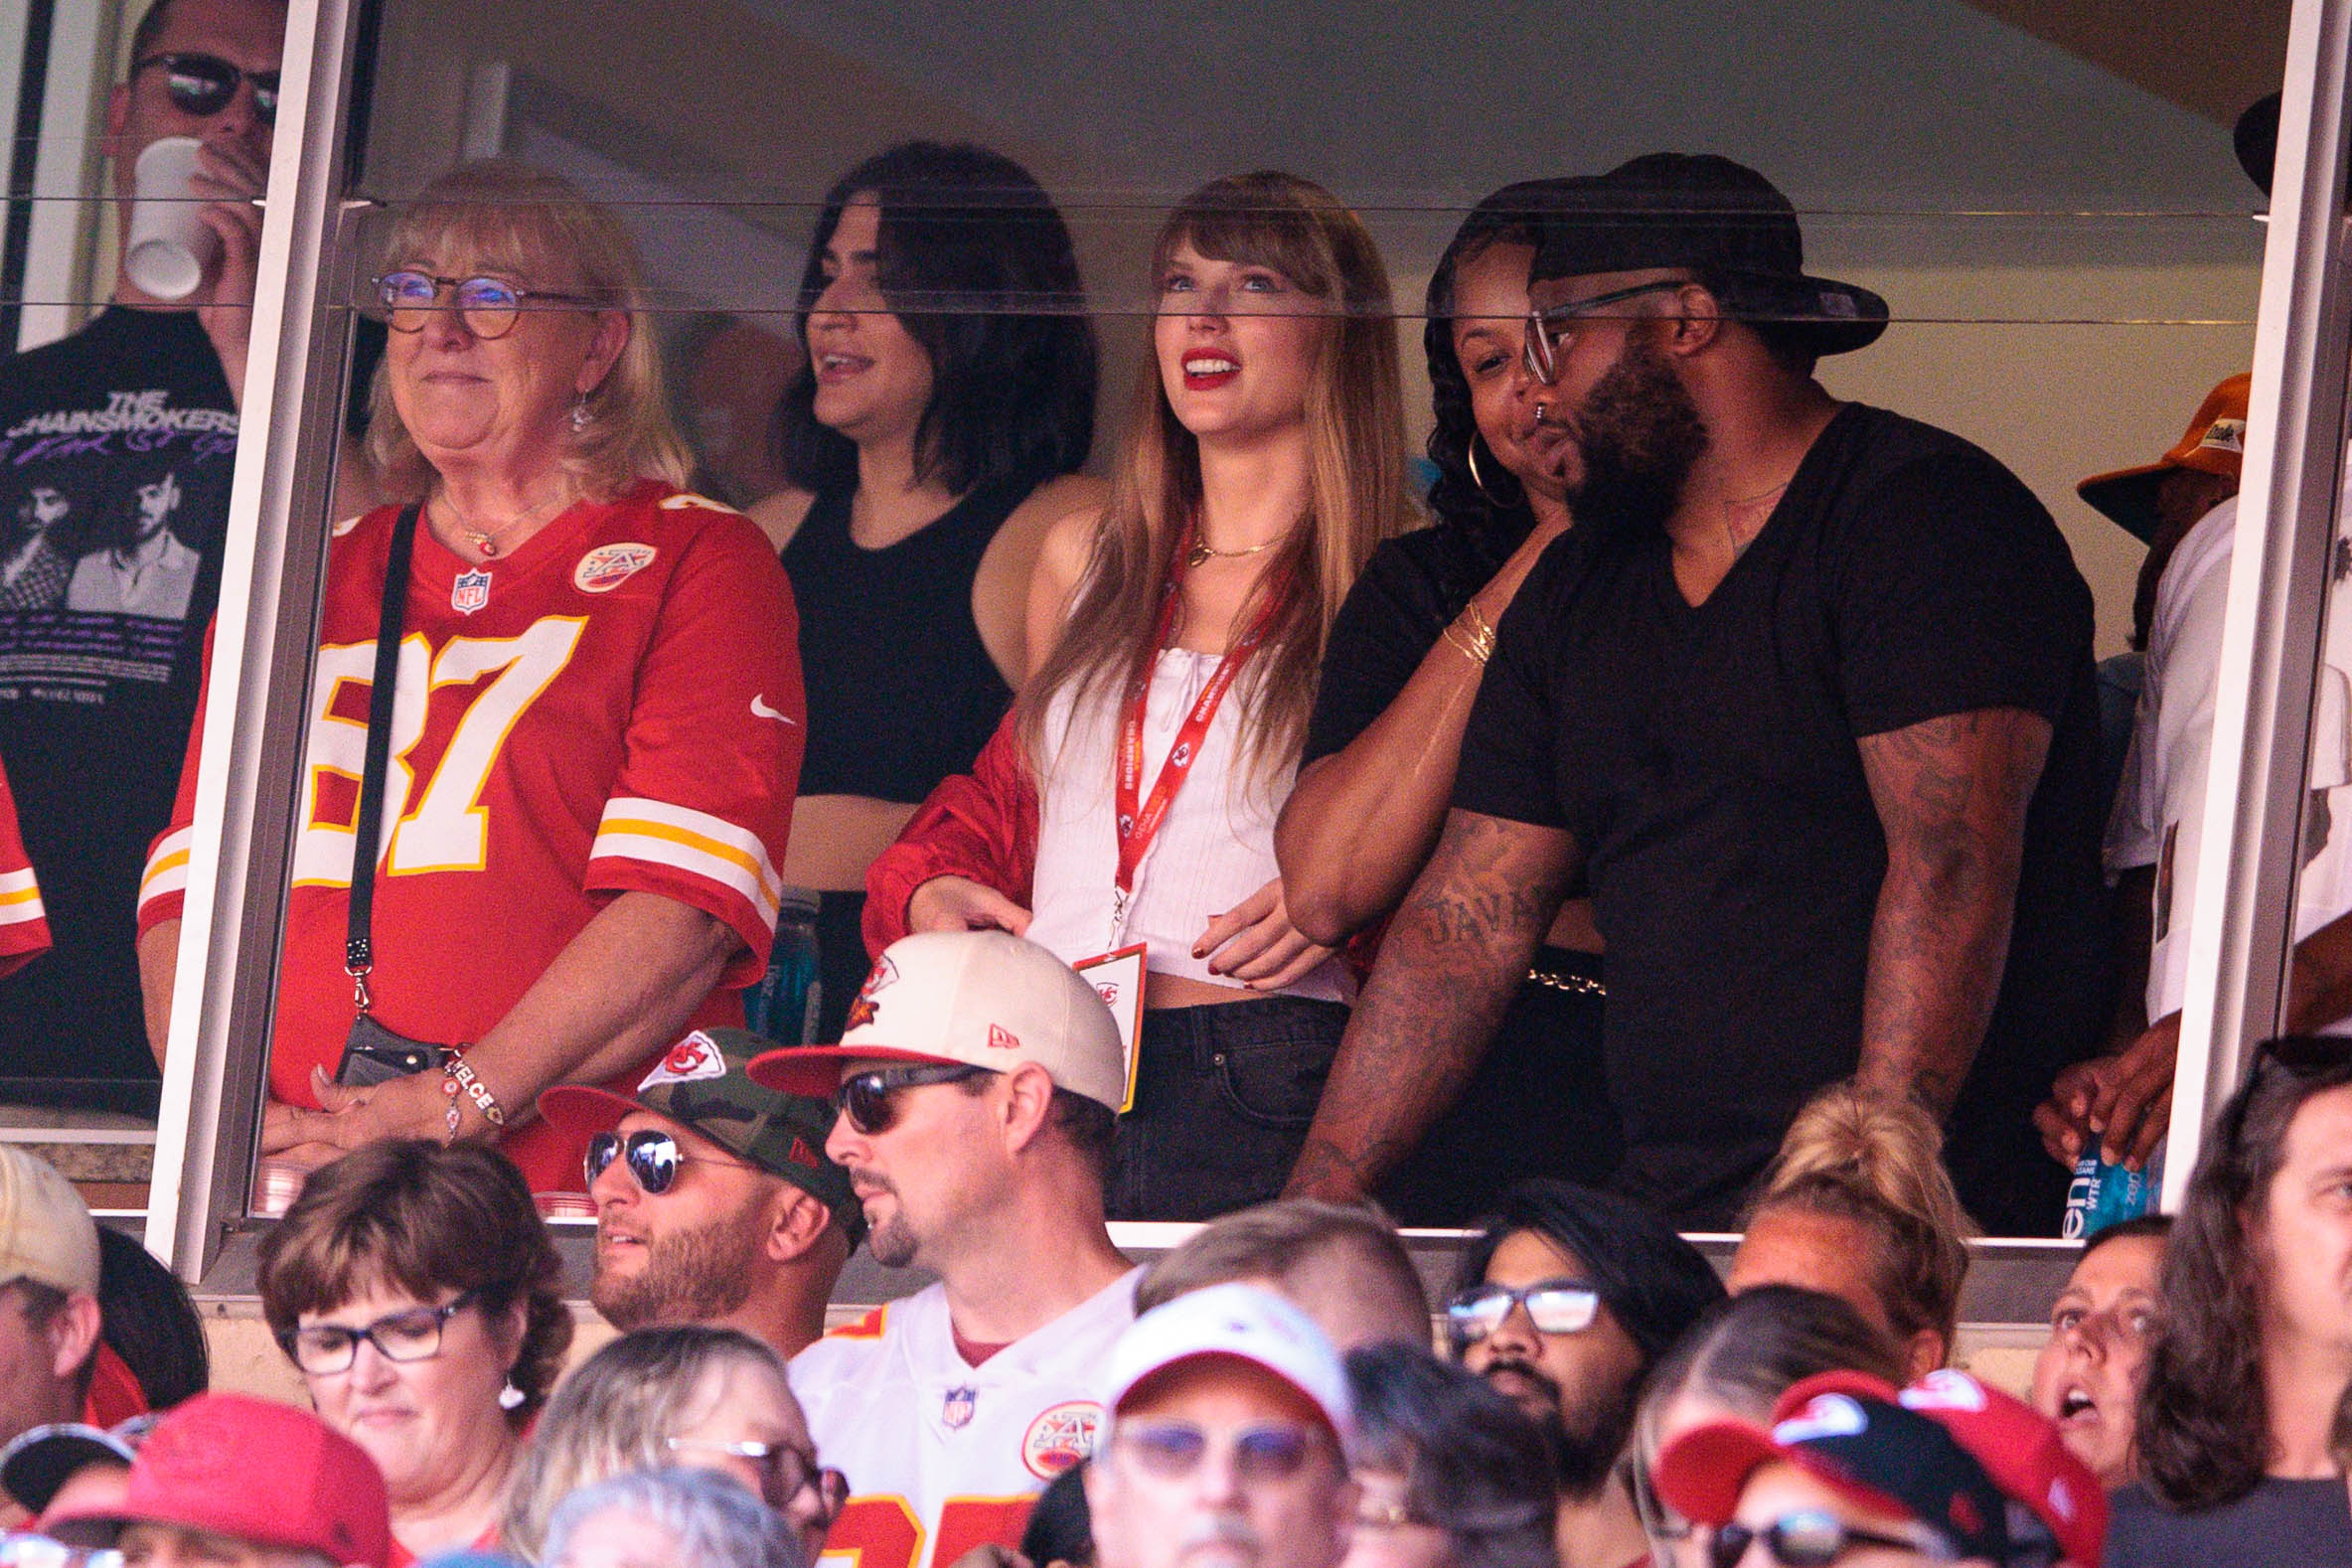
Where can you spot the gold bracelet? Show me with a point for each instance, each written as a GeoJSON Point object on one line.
{"type": "Point", "coordinates": [1477, 643]}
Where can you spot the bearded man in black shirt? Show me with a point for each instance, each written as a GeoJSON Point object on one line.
{"type": "Point", "coordinates": [1805, 696]}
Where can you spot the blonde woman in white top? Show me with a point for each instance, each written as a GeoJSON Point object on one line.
{"type": "Point", "coordinates": [1177, 636]}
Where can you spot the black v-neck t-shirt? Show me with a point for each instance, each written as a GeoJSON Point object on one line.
{"type": "Point", "coordinates": [1705, 760]}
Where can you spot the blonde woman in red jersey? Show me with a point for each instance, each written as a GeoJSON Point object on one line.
{"type": "Point", "coordinates": [598, 723]}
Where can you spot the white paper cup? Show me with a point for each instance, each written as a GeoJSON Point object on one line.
{"type": "Point", "coordinates": [169, 246]}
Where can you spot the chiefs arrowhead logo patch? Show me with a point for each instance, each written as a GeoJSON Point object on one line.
{"type": "Point", "coordinates": [862, 1008]}
{"type": "Point", "coordinates": [693, 1059]}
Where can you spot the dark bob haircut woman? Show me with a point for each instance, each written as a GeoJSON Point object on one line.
{"type": "Point", "coordinates": [978, 266]}
{"type": "Point", "coordinates": [1475, 1465]}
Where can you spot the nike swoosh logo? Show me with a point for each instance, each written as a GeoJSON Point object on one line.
{"type": "Point", "coordinates": [760, 710]}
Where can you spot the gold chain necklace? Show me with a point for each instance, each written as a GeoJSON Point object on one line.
{"type": "Point", "coordinates": [487, 544]}
{"type": "Point", "coordinates": [1200, 551]}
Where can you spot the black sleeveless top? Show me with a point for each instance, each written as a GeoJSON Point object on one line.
{"type": "Point", "coordinates": [901, 692]}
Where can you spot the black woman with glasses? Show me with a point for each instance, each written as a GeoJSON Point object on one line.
{"type": "Point", "coordinates": [1563, 1304]}
{"type": "Point", "coordinates": [1399, 672]}
{"type": "Point", "coordinates": [577, 786]}
{"type": "Point", "coordinates": [153, 385]}
{"type": "Point", "coordinates": [415, 1289]}
{"type": "Point", "coordinates": [2243, 1412]}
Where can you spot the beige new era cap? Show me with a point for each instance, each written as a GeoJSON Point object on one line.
{"type": "Point", "coordinates": [984, 997]}
{"type": "Point", "coordinates": [45, 1233]}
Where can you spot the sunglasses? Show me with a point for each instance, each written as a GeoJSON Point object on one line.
{"type": "Point", "coordinates": [1807, 1540]}
{"type": "Point", "coordinates": [203, 84]}
{"type": "Point", "coordinates": [653, 1156]}
{"type": "Point", "coordinates": [1553, 1305]}
{"type": "Point", "coordinates": [869, 1099]}
{"type": "Point", "coordinates": [1173, 1449]}
{"type": "Point", "coordinates": [1546, 343]}
{"type": "Point", "coordinates": [488, 306]}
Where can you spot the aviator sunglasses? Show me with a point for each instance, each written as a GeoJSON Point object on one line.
{"type": "Point", "coordinates": [869, 1099]}
{"type": "Point", "coordinates": [203, 84]}
{"type": "Point", "coordinates": [1553, 1305]}
{"type": "Point", "coordinates": [653, 1156]}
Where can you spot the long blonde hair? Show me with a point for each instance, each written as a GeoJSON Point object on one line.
{"type": "Point", "coordinates": [1355, 471]}
{"type": "Point", "coordinates": [507, 215]}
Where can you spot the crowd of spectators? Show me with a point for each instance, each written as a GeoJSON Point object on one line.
{"type": "Point", "coordinates": [1268, 1394]}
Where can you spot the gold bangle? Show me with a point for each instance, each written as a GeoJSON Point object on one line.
{"type": "Point", "coordinates": [1477, 643]}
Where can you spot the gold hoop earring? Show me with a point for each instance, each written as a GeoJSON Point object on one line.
{"type": "Point", "coordinates": [1475, 477]}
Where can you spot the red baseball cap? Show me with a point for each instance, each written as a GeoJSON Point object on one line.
{"type": "Point", "coordinates": [252, 1469]}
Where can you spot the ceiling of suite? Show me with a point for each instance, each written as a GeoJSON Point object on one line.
{"type": "Point", "coordinates": [1871, 104]}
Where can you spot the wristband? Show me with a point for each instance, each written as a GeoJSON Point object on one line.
{"type": "Point", "coordinates": [457, 1078]}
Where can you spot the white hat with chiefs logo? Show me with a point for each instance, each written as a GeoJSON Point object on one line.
{"type": "Point", "coordinates": [983, 998]}
{"type": "Point", "coordinates": [1243, 1322]}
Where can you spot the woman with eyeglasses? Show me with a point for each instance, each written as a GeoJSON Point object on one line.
{"type": "Point", "coordinates": [1403, 664]}
{"type": "Point", "coordinates": [931, 438]}
{"type": "Point", "coordinates": [1175, 640]}
{"type": "Point", "coordinates": [687, 1395]}
{"type": "Point", "coordinates": [1449, 1473]}
{"type": "Point", "coordinates": [415, 1289]}
{"type": "Point", "coordinates": [587, 774]}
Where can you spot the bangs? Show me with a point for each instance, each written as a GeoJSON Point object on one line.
{"type": "Point", "coordinates": [522, 240]}
{"type": "Point", "coordinates": [1254, 220]}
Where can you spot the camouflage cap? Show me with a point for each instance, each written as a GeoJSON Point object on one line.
{"type": "Point", "coordinates": [702, 1084]}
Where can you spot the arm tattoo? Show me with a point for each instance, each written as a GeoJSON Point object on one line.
{"type": "Point", "coordinates": [1446, 974]}
{"type": "Point", "coordinates": [1952, 795]}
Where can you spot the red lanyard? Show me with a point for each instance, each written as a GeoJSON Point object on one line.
{"type": "Point", "coordinates": [1139, 823]}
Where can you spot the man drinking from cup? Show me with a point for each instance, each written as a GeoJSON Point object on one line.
{"type": "Point", "coordinates": [103, 681]}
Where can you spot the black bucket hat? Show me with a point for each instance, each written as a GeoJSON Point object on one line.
{"type": "Point", "coordinates": [1721, 220]}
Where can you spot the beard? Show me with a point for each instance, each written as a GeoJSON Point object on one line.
{"type": "Point", "coordinates": [1583, 1459]}
{"type": "Point", "coordinates": [689, 1276]}
{"type": "Point", "coordinates": [1637, 434]}
{"type": "Point", "coordinates": [891, 1241]}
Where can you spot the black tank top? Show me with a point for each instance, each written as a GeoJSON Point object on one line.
{"type": "Point", "coordinates": [901, 692]}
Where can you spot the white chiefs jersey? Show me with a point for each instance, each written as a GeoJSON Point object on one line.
{"type": "Point", "coordinates": [943, 1456]}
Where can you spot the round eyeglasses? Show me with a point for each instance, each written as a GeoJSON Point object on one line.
{"type": "Point", "coordinates": [488, 306]}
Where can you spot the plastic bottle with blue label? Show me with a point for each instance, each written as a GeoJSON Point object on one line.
{"type": "Point", "coordinates": [2105, 1194]}
{"type": "Point", "coordinates": [783, 1007]}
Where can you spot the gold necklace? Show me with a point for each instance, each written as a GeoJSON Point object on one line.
{"type": "Point", "coordinates": [486, 545]}
{"type": "Point", "coordinates": [1200, 551]}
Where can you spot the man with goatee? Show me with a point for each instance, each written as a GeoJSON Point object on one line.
{"type": "Point", "coordinates": [1566, 1301]}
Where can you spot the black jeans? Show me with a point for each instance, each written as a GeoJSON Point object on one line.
{"type": "Point", "coordinates": [1224, 1097]}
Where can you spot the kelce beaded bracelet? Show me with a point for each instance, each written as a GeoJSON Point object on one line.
{"type": "Point", "coordinates": [457, 1078]}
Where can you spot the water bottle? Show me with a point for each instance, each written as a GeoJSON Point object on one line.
{"type": "Point", "coordinates": [783, 1007]}
{"type": "Point", "coordinates": [2103, 1193]}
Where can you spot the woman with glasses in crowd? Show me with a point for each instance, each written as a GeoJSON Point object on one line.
{"type": "Point", "coordinates": [415, 1289]}
{"type": "Point", "coordinates": [931, 439]}
{"type": "Point", "coordinates": [2242, 1429]}
{"type": "Point", "coordinates": [1398, 677]}
{"type": "Point", "coordinates": [690, 1395]}
{"type": "Point", "coordinates": [587, 772]}
{"type": "Point", "coordinates": [1175, 640]}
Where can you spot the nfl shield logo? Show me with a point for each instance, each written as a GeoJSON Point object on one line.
{"type": "Point", "coordinates": [958, 1411]}
{"type": "Point", "coordinates": [471, 592]}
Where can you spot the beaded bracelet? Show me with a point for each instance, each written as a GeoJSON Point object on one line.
{"type": "Point", "coordinates": [458, 1079]}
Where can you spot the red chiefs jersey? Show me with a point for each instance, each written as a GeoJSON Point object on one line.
{"type": "Point", "coordinates": [24, 924]}
{"type": "Point", "coordinates": [615, 707]}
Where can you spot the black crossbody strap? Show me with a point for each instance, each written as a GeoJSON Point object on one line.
{"type": "Point", "coordinates": [359, 950]}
